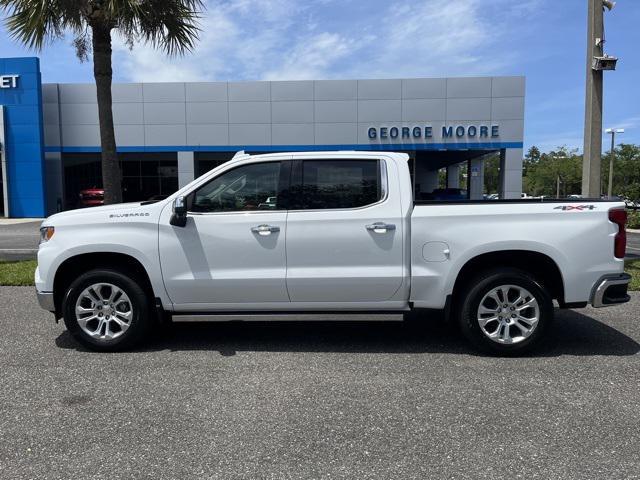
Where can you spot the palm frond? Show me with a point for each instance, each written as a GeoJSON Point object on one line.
{"type": "Point", "coordinates": [34, 22]}
{"type": "Point", "coordinates": [171, 25]}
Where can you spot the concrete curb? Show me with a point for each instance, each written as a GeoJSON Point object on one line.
{"type": "Point", "coordinates": [633, 230]}
{"type": "Point", "coordinates": [16, 221]}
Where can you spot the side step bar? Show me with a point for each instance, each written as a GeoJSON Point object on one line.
{"type": "Point", "coordinates": [288, 317]}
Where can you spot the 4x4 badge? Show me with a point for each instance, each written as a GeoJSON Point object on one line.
{"type": "Point", "coordinates": [579, 208]}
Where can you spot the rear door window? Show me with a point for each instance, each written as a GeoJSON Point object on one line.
{"type": "Point", "coordinates": [332, 184]}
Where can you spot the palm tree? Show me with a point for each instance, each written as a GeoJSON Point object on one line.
{"type": "Point", "coordinates": [167, 24]}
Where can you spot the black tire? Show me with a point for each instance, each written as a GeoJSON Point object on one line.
{"type": "Point", "coordinates": [140, 322]}
{"type": "Point", "coordinates": [473, 293]}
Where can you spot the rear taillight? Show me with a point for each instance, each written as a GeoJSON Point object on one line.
{"type": "Point", "coordinates": [619, 217]}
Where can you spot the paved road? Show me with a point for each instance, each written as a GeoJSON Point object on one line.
{"type": "Point", "coordinates": [319, 400]}
{"type": "Point", "coordinates": [19, 241]}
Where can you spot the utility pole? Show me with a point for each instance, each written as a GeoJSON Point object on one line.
{"type": "Point", "coordinates": [591, 162]}
{"type": "Point", "coordinates": [597, 62]}
{"type": "Point", "coordinates": [613, 132]}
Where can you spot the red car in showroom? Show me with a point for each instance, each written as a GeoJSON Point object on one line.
{"type": "Point", "coordinates": [91, 197]}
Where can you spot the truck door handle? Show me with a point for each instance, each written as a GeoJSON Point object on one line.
{"type": "Point", "coordinates": [381, 227]}
{"type": "Point", "coordinates": [265, 230]}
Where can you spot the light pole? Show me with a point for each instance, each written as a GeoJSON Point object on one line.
{"type": "Point", "coordinates": [559, 180]}
{"type": "Point", "coordinates": [613, 132]}
{"type": "Point", "coordinates": [597, 62]}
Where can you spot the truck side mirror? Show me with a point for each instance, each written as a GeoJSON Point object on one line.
{"type": "Point", "coordinates": [179, 216]}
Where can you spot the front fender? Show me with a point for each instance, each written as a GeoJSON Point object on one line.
{"type": "Point", "coordinates": [142, 245]}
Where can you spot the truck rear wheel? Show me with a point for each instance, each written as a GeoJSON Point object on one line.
{"type": "Point", "coordinates": [106, 310]}
{"type": "Point", "coordinates": [505, 311]}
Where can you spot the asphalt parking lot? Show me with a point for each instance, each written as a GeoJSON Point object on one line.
{"type": "Point", "coordinates": [319, 400]}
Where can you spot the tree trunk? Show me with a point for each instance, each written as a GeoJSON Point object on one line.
{"type": "Point", "coordinates": [111, 178]}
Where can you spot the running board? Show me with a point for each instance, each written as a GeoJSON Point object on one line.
{"type": "Point", "coordinates": [289, 317]}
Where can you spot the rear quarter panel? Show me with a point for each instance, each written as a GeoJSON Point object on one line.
{"type": "Point", "coordinates": [580, 242]}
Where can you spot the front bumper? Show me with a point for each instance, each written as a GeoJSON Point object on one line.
{"type": "Point", "coordinates": [611, 290]}
{"type": "Point", "coordinates": [45, 299]}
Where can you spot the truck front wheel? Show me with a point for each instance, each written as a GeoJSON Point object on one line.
{"type": "Point", "coordinates": [505, 311]}
{"type": "Point", "coordinates": [106, 310]}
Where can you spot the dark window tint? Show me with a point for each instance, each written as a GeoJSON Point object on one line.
{"type": "Point", "coordinates": [339, 184]}
{"type": "Point", "coordinates": [247, 188]}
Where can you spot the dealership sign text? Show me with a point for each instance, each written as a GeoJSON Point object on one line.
{"type": "Point", "coordinates": [9, 81]}
{"type": "Point", "coordinates": [427, 132]}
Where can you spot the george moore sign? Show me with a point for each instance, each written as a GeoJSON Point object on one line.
{"type": "Point", "coordinates": [9, 81]}
{"type": "Point", "coordinates": [427, 132]}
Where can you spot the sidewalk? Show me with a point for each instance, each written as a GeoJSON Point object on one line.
{"type": "Point", "coordinates": [16, 221]}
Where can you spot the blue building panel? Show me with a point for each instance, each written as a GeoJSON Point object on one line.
{"type": "Point", "coordinates": [24, 171]}
{"type": "Point", "coordinates": [19, 115]}
{"type": "Point", "coordinates": [24, 144]}
{"type": "Point", "coordinates": [27, 152]}
{"type": "Point", "coordinates": [22, 204]}
{"type": "Point", "coordinates": [21, 65]}
{"type": "Point", "coordinates": [21, 134]}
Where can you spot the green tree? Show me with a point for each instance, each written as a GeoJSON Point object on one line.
{"type": "Point", "coordinates": [626, 171]}
{"type": "Point", "coordinates": [543, 171]}
{"type": "Point", "coordinates": [167, 24]}
{"type": "Point", "coordinates": [492, 174]}
{"type": "Point", "coordinates": [533, 155]}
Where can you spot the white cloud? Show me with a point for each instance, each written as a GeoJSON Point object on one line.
{"type": "Point", "coordinates": [283, 39]}
{"type": "Point", "coordinates": [630, 122]}
{"type": "Point", "coordinates": [311, 58]}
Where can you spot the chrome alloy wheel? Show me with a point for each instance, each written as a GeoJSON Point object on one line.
{"type": "Point", "coordinates": [508, 314]}
{"type": "Point", "coordinates": [104, 311]}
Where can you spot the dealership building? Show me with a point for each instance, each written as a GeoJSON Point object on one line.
{"type": "Point", "coordinates": [169, 133]}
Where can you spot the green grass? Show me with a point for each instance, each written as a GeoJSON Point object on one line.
{"type": "Point", "coordinates": [17, 273]}
{"type": "Point", "coordinates": [21, 273]}
{"type": "Point", "coordinates": [633, 267]}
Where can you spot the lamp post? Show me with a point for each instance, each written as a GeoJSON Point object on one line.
{"type": "Point", "coordinates": [613, 132]}
{"type": "Point", "coordinates": [597, 63]}
{"type": "Point", "coordinates": [558, 182]}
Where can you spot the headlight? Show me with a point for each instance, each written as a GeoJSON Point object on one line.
{"type": "Point", "coordinates": [46, 233]}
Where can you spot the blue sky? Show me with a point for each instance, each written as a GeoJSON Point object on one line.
{"type": "Point", "coordinates": [286, 39]}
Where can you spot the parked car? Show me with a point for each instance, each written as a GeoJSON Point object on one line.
{"type": "Point", "coordinates": [91, 197]}
{"type": "Point", "coordinates": [356, 243]}
{"type": "Point", "coordinates": [631, 204]}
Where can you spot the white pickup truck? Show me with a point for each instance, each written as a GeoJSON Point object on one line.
{"type": "Point", "coordinates": [270, 236]}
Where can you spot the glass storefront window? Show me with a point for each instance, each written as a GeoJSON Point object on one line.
{"type": "Point", "coordinates": [206, 161]}
{"type": "Point", "coordinates": [144, 176]}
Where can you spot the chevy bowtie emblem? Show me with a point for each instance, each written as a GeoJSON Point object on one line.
{"type": "Point", "coordinates": [579, 208]}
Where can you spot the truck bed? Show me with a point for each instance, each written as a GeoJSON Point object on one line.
{"type": "Point", "coordinates": [575, 234]}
